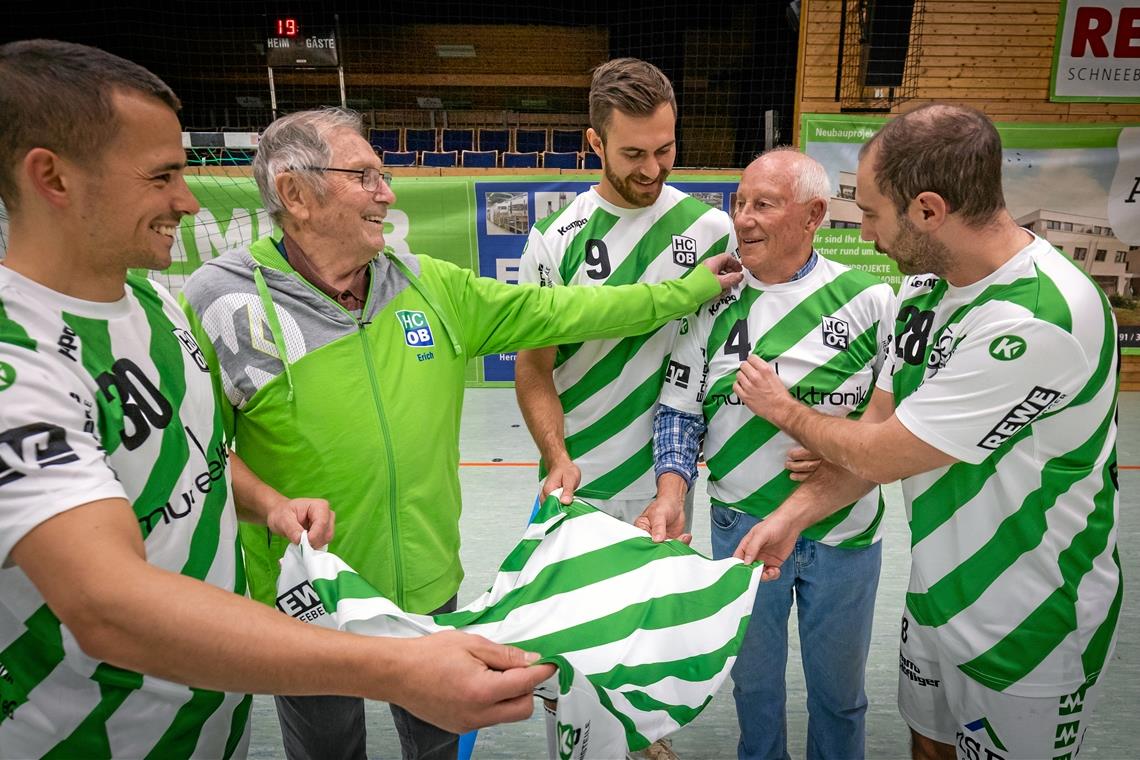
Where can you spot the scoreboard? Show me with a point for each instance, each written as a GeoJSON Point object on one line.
{"type": "Point", "coordinates": [291, 45]}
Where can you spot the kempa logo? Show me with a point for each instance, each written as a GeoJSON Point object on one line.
{"type": "Point", "coordinates": [836, 333]}
{"type": "Point", "coordinates": [724, 300]}
{"type": "Point", "coordinates": [684, 251]}
{"type": "Point", "coordinates": [1007, 348]}
{"type": "Point", "coordinates": [192, 349]}
{"type": "Point", "coordinates": [38, 444]}
{"type": "Point", "coordinates": [7, 376]}
{"type": "Point", "coordinates": [572, 226]}
{"type": "Point", "coordinates": [1038, 400]}
{"type": "Point", "coordinates": [677, 374]}
{"type": "Point", "coordinates": [417, 331]}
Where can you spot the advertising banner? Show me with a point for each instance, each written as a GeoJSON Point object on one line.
{"type": "Point", "coordinates": [1076, 185]}
{"type": "Point", "coordinates": [1096, 54]}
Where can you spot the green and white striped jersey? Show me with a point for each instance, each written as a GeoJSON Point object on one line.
{"type": "Point", "coordinates": [609, 388]}
{"type": "Point", "coordinates": [825, 335]}
{"type": "Point", "coordinates": [1014, 546]}
{"type": "Point", "coordinates": [643, 634]}
{"type": "Point", "coordinates": [99, 401]}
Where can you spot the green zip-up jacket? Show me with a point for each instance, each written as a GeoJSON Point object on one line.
{"type": "Point", "coordinates": [365, 412]}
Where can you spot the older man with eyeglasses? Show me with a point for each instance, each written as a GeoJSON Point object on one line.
{"type": "Point", "coordinates": [343, 364]}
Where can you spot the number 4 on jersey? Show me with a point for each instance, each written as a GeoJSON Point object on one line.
{"type": "Point", "coordinates": [737, 342]}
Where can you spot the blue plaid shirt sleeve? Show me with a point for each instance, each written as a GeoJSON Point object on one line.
{"type": "Point", "coordinates": [676, 441]}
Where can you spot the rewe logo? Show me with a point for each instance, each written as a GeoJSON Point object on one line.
{"type": "Point", "coordinates": [684, 251]}
{"type": "Point", "coordinates": [1038, 400]}
{"type": "Point", "coordinates": [417, 331]}
{"type": "Point", "coordinates": [1007, 347]}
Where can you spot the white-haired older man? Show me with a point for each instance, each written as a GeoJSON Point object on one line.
{"type": "Point", "coordinates": [823, 325]}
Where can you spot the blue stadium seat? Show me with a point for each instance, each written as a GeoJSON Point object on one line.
{"type": "Point", "coordinates": [459, 139]}
{"type": "Point", "coordinates": [495, 139]}
{"type": "Point", "coordinates": [384, 139]}
{"type": "Point", "coordinates": [438, 158]}
{"type": "Point", "coordinates": [419, 140]}
{"type": "Point", "coordinates": [398, 157]}
{"type": "Point", "coordinates": [590, 160]}
{"type": "Point", "coordinates": [484, 159]}
{"type": "Point", "coordinates": [566, 140]}
{"type": "Point", "coordinates": [513, 160]}
{"type": "Point", "coordinates": [530, 140]}
{"type": "Point", "coordinates": [559, 160]}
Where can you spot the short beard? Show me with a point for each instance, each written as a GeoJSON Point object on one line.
{"type": "Point", "coordinates": [917, 252]}
{"type": "Point", "coordinates": [628, 192]}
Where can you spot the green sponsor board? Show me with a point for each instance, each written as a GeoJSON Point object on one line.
{"type": "Point", "coordinates": [433, 215]}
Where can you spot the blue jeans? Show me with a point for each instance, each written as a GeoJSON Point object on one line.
{"type": "Point", "coordinates": [834, 590]}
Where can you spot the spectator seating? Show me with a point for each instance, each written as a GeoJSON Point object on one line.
{"type": "Point", "coordinates": [560, 160]}
{"type": "Point", "coordinates": [438, 158]}
{"type": "Point", "coordinates": [590, 160]}
{"type": "Point", "coordinates": [485, 159]}
{"type": "Point", "coordinates": [495, 139]}
{"type": "Point", "coordinates": [516, 160]}
{"type": "Point", "coordinates": [420, 139]}
{"type": "Point", "coordinates": [566, 140]}
{"type": "Point", "coordinates": [458, 139]}
{"type": "Point", "coordinates": [530, 140]}
{"type": "Point", "coordinates": [384, 139]}
{"type": "Point", "coordinates": [398, 157]}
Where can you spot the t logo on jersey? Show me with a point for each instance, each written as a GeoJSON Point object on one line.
{"type": "Point", "coordinates": [38, 444]}
{"type": "Point", "coordinates": [191, 346]}
{"type": "Point", "coordinates": [677, 374]}
{"type": "Point", "coordinates": [1007, 347]}
{"type": "Point", "coordinates": [417, 331]}
{"type": "Point", "coordinates": [684, 251]}
{"type": "Point", "coordinates": [836, 333]}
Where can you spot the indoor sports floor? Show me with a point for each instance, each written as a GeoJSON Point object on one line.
{"type": "Point", "coordinates": [499, 480]}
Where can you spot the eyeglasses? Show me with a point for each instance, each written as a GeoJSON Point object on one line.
{"type": "Point", "coordinates": [369, 178]}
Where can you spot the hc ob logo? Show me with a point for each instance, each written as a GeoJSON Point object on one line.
{"type": "Point", "coordinates": [684, 251]}
{"type": "Point", "coordinates": [836, 333]}
{"type": "Point", "coordinates": [417, 331]}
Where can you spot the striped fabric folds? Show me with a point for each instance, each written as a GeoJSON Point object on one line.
{"type": "Point", "coordinates": [643, 634]}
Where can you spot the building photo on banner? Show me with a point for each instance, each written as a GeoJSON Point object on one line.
{"type": "Point", "coordinates": [1076, 185]}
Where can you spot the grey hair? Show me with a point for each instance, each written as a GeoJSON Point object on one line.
{"type": "Point", "coordinates": [293, 143]}
{"type": "Point", "coordinates": [810, 180]}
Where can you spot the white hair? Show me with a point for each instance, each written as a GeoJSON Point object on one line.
{"type": "Point", "coordinates": [294, 143]}
{"type": "Point", "coordinates": [809, 181]}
